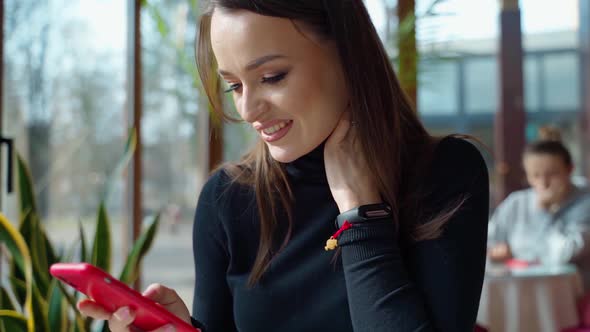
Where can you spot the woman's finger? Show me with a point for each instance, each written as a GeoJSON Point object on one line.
{"type": "Point", "coordinates": [121, 320]}
{"type": "Point", "coordinates": [165, 328]}
{"type": "Point", "coordinates": [92, 309]}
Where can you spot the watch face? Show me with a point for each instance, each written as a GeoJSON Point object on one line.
{"type": "Point", "coordinates": [376, 214]}
{"type": "Point", "coordinates": [375, 211]}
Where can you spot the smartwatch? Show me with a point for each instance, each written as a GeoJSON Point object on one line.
{"type": "Point", "coordinates": [363, 214]}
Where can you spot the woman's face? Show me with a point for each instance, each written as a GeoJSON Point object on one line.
{"type": "Point", "coordinates": [548, 175]}
{"type": "Point", "coordinates": [284, 80]}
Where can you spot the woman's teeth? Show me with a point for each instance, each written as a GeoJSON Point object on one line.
{"type": "Point", "coordinates": [275, 128]}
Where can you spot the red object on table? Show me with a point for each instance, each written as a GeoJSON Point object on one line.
{"type": "Point", "coordinates": [518, 263]}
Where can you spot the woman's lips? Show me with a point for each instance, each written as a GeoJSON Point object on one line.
{"type": "Point", "coordinates": [276, 133]}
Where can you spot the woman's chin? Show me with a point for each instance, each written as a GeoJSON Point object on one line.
{"type": "Point", "coordinates": [283, 155]}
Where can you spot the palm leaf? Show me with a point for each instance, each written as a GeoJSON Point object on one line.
{"type": "Point", "coordinates": [130, 271]}
{"type": "Point", "coordinates": [130, 147]}
{"type": "Point", "coordinates": [101, 249]}
{"type": "Point", "coordinates": [19, 288]}
{"type": "Point", "coordinates": [5, 300]}
{"type": "Point", "coordinates": [83, 253]}
{"type": "Point", "coordinates": [80, 323]}
{"type": "Point", "coordinates": [40, 309]}
{"type": "Point", "coordinates": [30, 230]}
{"type": "Point", "coordinates": [12, 321]}
{"type": "Point", "coordinates": [58, 314]}
{"type": "Point", "coordinates": [157, 17]}
{"type": "Point", "coordinates": [50, 255]}
{"type": "Point", "coordinates": [40, 266]}
{"type": "Point", "coordinates": [25, 185]}
{"type": "Point", "coordinates": [20, 254]}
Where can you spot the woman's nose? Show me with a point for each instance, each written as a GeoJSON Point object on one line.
{"type": "Point", "coordinates": [251, 106]}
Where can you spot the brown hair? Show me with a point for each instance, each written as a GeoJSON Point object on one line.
{"type": "Point", "coordinates": [550, 147]}
{"type": "Point", "coordinates": [549, 143]}
{"type": "Point", "coordinates": [391, 135]}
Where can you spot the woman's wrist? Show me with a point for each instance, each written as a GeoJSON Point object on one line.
{"type": "Point", "coordinates": [352, 203]}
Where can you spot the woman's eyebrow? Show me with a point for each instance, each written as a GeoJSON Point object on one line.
{"type": "Point", "coordinates": [256, 63]}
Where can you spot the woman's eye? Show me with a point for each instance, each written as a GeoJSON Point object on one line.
{"type": "Point", "coordinates": [233, 87]}
{"type": "Point", "coordinates": [274, 79]}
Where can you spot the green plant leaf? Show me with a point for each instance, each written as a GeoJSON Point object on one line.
{"type": "Point", "coordinates": [20, 254]}
{"type": "Point", "coordinates": [40, 309]}
{"type": "Point", "coordinates": [70, 252]}
{"type": "Point", "coordinates": [50, 255]}
{"type": "Point", "coordinates": [40, 267]}
{"type": "Point", "coordinates": [12, 321]}
{"type": "Point", "coordinates": [79, 326]}
{"type": "Point", "coordinates": [79, 323]}
{"type": "Point", "coordinates": [105, 327]}
{"type": "Point", "coordinates": [58, 314]}
{"type": "Point", "coordinates": [25, 185]}
{"type": "Point", "coordinates": [5, 300]}
{"type": "Point", "coordinates": [20, 289]}
{"type": "Point", "coordinates": [101, 249]}
{"type": "Point", "coordinates": [16, 272]}
{"type": "Point", "coordinates": [83, 254]}
{"type": "Point", "coordinates": [31, 232]}
{"type": "Point", "coordinates": [70, 299]}
{"type": "Point", "coordinates": [88, 323]}
{"type": "Point", "coordinates": [140, 248]}
{"type": "Point", "coordinates": [130, 147]}
{"type": "Point", "coordinates": [159, 19]}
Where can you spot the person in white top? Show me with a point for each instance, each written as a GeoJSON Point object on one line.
{"type": "Point", "coordinates": [549, 222]}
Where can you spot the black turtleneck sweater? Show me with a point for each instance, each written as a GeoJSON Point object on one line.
{"type": "Point", "coordinates": [376, 284]}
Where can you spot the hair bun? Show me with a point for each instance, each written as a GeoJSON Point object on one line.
{"type": "Point", "coordinates": [549, 133]}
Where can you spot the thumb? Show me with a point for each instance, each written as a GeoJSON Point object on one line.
{"type": "Point", "coordinates": [161, 294]}
{"type": "Point", "coordinates": [165, 328]}
{"type": "Point", "coordinates": [168, 298]}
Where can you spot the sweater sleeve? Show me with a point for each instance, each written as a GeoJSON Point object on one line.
{"type": "Point", "coordinates": [570, 242]}
{"type": "Point", "coordinates": [436, 286]}
{"type": "Point", "coordinates": [504, 214]}
{"type": "Point", "coordinates": [212, 300]}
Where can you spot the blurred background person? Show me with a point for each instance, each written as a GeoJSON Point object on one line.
{"type": "Point", "coordinates": [549, 222]}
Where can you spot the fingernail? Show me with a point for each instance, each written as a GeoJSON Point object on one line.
{"type": "Point", "coordinates": [170, 328]}
{"type": "Point", "coordinates": [123, 314]}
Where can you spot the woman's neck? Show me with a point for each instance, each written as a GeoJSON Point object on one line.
{"type": "Point", "coordinates": [309, 168]}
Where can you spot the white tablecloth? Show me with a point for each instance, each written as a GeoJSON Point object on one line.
{"type": "Point", "coordinates": [535, 299]}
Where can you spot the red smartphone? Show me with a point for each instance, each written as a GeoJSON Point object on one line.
{"type": "Point", "coordinates": [112, 294]}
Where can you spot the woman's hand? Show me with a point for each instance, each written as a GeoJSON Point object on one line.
{"type": "Point", "coordinates": [121, 320]}
{"type": "Point", "coordinates": [349, 178]}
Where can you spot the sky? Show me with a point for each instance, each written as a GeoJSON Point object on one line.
{"type": "Point", "coordinates": [470, 19]}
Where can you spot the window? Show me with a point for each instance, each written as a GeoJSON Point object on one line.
{"type": "Point", "coordinates": [64, 101]}
{"type": "Point", "coordinates": [438, 87]}
{"type": "Point", "coordinates": [562, 78]}
{"type": "Point", "coordinates": [481, 91]}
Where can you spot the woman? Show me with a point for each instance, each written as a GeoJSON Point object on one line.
{"type": "Point", "coordinates": [550, 221]}
{"type": "Point", "coordinates": [338, 141]}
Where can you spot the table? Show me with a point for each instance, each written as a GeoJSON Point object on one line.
{"type": "Point", "coordinates": [537, 299]}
